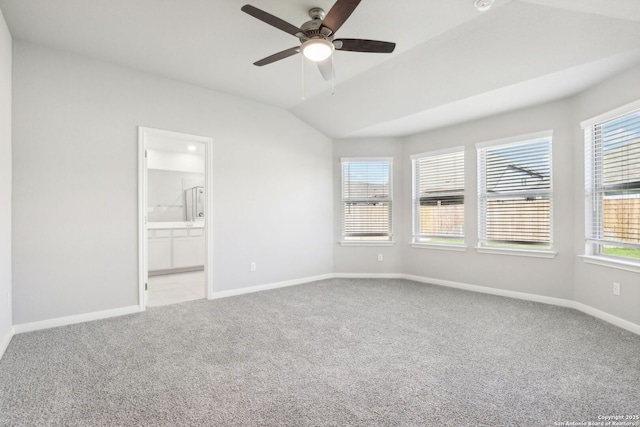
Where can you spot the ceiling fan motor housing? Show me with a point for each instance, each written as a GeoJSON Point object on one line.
{"type": "Point", "coordinates": [316, 40]}
{"type": "Point", "coordinates": [313, 29]}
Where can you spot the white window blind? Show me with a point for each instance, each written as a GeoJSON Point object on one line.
{"type": "Point", "coordinates": [438, 197]}
{"type": "Point", "coordinates": [612, 178]}
{"type": "Point", "coordinates": [367, 199]}
{"type": "Point", "coordinates": [515, 194]}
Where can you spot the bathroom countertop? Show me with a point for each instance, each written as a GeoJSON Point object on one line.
{"type": "Point", "coordinates": [175, 224]}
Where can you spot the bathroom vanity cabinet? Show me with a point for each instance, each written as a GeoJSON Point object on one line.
{"type": "Point", "coordinates": [173, 246]}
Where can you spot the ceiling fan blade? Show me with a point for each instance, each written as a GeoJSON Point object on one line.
{"type": "Point", "coordinates": [339, 13]}
{"type": "Point", "coordinates": [361, 45]}
{"type": "Point", "coordinates": [326, 68]}
{"type": "Point", "coordinates": [278, 56]}
{"type": "Point", "coordinates": [272, 20]}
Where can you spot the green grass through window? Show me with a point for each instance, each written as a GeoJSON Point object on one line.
{"type": "Point", "coordinates": [622, 252]}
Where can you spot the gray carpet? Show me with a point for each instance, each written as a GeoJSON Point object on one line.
{"type": "Point", "coordinates": [331, 353]}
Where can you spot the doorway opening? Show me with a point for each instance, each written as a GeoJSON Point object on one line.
{"type": "Point", "coordinates": [175, 217]}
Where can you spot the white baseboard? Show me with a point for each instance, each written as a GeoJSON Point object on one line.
{"type": "Point", "coordinates": [4, 342]}
{"type": "Point", "coordinates": [87, 317]}
{"type": "Point", "coordinates": [69, 320]}
{"type": "Point", "coordinates": [624, 324]}
{"type": "Point", "coordinates": [621, 323]}
{"type": "Point", "coordinates": [493, 291]}
{"type": "Point", "coordinates": [368, 276]}
{"type": "Point", "coordinates": [265, 287]}
{"type": "Point", "coordinates": [78, 318]}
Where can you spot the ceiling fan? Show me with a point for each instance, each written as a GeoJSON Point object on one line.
{"type": "Point", "coordinates": [317, 36]}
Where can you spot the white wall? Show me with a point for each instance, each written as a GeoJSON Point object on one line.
{"type": "Point", "coordinates": [5, 185]}
{"type": "Point", "coordinates": [593, 284]}
{"type": "Point", "coordinates": [75, 129]}
{"type": "Point", "coordinates": [566, 276]}
{"type": "Point", "coordinates": [364, 259]}
{"type": "Point", "coordinates": [548, 277]}
{"type": "Point", "coordinates": [75, 156]}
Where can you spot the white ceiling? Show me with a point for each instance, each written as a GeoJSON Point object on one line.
{"type": "Point", "coordinates": [452, 63]}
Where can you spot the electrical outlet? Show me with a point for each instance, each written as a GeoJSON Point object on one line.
{"type": "Point", "coordinates": [253, 266]}
{"type": "Point", "coordinates": [380, 257]}
{"type": "Point", "coordinates": [616, 288]}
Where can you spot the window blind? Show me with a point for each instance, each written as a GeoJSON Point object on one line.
{"type": "Point", "coordinates": [612, 178]}
{"type": "Point", "coordinates": [367, 199]}
{"type": "Point", "coordinates": [515, 194]}
{"type": "Point", "coordinates": [438, 197]}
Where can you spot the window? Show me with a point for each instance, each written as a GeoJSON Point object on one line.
{"type": "Point", "coordinates": [366, 199]}
{"type": "Point", "coordinates": [438, 197]}
{"type": "Point", "coordinates": [612, 178]}
{"type": "Point", "coordinates": [515, 193]}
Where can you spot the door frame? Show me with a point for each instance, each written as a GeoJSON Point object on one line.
{"type": "Point", "coordinates": [143, 135]}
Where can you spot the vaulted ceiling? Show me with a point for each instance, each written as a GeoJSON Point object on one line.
{"type": "Point", "coordinates": [452, 63]}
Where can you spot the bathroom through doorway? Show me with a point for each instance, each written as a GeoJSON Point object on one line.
{"type": "Point", "coordinates": [174, 217]}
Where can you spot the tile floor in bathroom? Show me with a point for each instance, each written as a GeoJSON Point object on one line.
{"type": "Point", "coordinates": [174, 288]}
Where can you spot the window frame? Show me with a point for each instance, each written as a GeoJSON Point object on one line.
{"type": "Point", "coordinates": [593, 185]}
{"type": "Point", "coordinates": [518, 249]}
{"type": "Point", "coordinates": [417, 238]}
{"type": "Point", "coordinates": [344, 240]}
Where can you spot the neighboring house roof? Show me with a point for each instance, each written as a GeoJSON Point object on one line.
{"type": "Point", "coordinates": [621, 166]}
{"type": "Point", "coordinates": [360, 190]}
{"type": "Point", "coordinates": [514, 177]}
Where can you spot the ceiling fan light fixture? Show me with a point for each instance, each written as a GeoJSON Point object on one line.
{"type": "Point", "coordinates": [317, 49]}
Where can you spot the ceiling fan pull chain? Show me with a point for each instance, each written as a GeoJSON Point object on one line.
{"type": "Point", "coordinates": [302, 79]}
{"type": "Point", "coordinates": [333, 78]}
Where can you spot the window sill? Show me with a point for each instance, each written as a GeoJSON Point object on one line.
{"type": "Point", "coordinates": [440, 247]}
{"type": "Point", "coordinates": [611, 263]}
{"type": "Point", "coordinates": [364, 243]}
{"type": "Point", "coordinates": [518, 252]}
